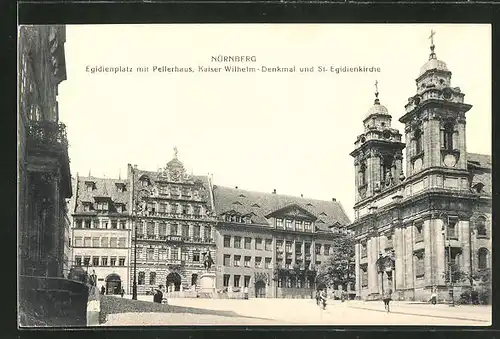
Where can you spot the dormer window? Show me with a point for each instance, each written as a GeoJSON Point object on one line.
{"type": "Point", "coordinates": [102, 206]}
{"type": "Point", "coordinates": [120, 186]}
{"type": "Point", "coordinates": [119, 208]}
{"type": "Point", "coordinates": [89, 186]}
{"type": "Point", "coordinates": [144, 181]}
{"type": "Point", "coordinates": [87, 206]}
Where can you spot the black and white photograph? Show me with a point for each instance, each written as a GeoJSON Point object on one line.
{"type": "Point", "coordinates": [254, 174]}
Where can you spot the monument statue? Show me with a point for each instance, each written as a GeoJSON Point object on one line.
{"type": "Point", "coordinates": [208, 261]}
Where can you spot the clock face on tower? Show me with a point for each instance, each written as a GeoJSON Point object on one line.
{"type": "Point", "coordinates": [449, 160]}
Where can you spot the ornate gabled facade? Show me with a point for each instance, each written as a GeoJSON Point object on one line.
{"type": "Point", "coordinates": [439, 216]}
{"type": "Point", "coordinates": [101, 230]}
{"type": "Point", "coordinates": [175, 226]}
{"type": "Point", "coordinates": [271, 243]}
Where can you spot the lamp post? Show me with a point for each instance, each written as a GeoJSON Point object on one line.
{"type": "Point", "coordinates": [134, 284]}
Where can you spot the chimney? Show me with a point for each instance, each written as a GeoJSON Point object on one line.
{"type": "Point", "coordinates": [236, 187]}
{"type": "Point", "coordinates": [274, 191]}
{"type": "Point", "coordinates": [135, 166]}
{"type": "Point", "coordinates": [333, 199]}
{"type": "Point", "coordinates": [301, 195]}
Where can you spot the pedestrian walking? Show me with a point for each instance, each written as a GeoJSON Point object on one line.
{"type": "Point", "coordinates": [158, 296]}
{"type": "Point", "coordinates": [245, 291]}
{"type": "Point", "coordinates": [433, 297]}
{"type": "Point", "coordinates": [103, 289]}
{"type": "Point", "coordinates": [122, 292]}
{"type": "Point", "coordinates": [317, 297]}
{"type": "Point", "coordinates": [387, 297]}
{"type": "Point", "coordinates": [322, 298]}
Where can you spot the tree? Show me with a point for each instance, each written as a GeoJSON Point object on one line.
{"type": "Point", "coordinates": [338, 269]}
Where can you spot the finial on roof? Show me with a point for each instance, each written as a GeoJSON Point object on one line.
{"type": "Point", "coordinates": [104, 189]}
{"type": "Point", "coordinates": [175, 152]}
{"type": "Point", "coordinates": [432, 55]}
{"type": "Point", "coordinates": [90, 174]}
{"type": "Point", "coordinates": [120, 174]}
{"type": "Point", "coordinates": [377, 101]}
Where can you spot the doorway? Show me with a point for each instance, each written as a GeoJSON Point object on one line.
{"type": "Point", "coordinates": [174, 280]}
{"type": "Point", "coordinates": [260, 289]}
{"type": "Point", "coordinates": [113, 284]}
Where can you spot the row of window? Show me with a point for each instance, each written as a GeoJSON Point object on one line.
{"type": "Point", "coordinates": [319, 249]}
{"type": "Point", "coordinates": [168, 254]}
{"type": "Point", "coordinates": [103, 224]}
{"type": "Point", "coordinates": [174, 208]}
{"type": "Point", "coordinates": [236, 280]}
{"type": "Point", "coordinates": [294, 225]}
{"type": "Point", "coordinates": [172, 190]}
{"type": "Point", "coordinates": [451, 232]}
{"type": "Point", "coordinates": [247, 261]}
{"type": "Point", "coordinates": [260, 244]}
{"type": "Point", "coordinates": [99, 261]}
{"type": "Point", "coordinates": [267, 245]}
{"type": "Point", "coordinates": [113, 242]}
{"type": "Point", "coordinates": [296, 282]}
{"type": "Point", "coordinates": [103, 206]}
{"type": "Point", "coordinates": [150, 229]}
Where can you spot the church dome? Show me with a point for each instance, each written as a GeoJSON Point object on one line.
{"type": "Point", "coordinates": [377, 109]}
{"type": "Point", "coordinates": [433, 63]}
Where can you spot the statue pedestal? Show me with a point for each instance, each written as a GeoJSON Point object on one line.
{"type": "Point", "coordinates": [207, 282]}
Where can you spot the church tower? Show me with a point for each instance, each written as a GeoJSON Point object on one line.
{"type": "Point", "coordinates": [435, 120]}
{"type": "Point", "coordinates": [378, 153]}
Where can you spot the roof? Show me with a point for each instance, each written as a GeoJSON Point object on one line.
{"type": "Point", "coordinates": [481, 160]}
{"type": "Point", "coordinates": [104, 187]}
{"type": "Point", "coordinates": [201, 180]}
{"type": "Point", "coordinates": [261, 204]}
{"type": "Point", "coordinates": [480, 167]}
{"type": "Point", "coordinates": [433, 64]}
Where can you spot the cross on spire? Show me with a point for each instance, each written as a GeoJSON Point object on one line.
{"type": "Point", "coordinates": [175, 152]}
{"type": "Point", "coordinates": [432, 36]}
{"type": "Point", "coordinates": [432, 55]}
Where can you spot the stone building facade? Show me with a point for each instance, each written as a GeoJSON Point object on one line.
{"type": "Point", "coordinates": [101, 230]}
{"type": "Point", "coordinates": [44, 179]}
{"type": "Point", "coordinates": [272, 243]}
{"type": "Point", "coordinates": [436, 216]}
{"type": "Point", "coordinates": [173, 213]}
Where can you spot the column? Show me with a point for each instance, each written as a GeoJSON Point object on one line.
{"type": "Point", "coordinates": [464, 229]}
{"type": "Point", "coordinates": [408, 243]}
{"type": "Point", "coordinates": [372, 268]}
{"type": "Point", "coordinates": [56, 267]}
{"type": "Point", "coordinates": [399, 254]}
{"type": "Point", "coordinates": [357, 268]}
{"type": "Point", "coordinates": [428, 252]}
{"type": "Point", "coordinates": [293, 252]}
{"type": "Point", "coordinates": [439, 258]}
{"type": "Point", "coordinates": [462, 161]}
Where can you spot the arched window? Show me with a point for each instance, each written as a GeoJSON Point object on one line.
{"type": "Point", "coordinates": [141, 278]}
{"type": "Point", "coordinates": [481, 226]}
{"type": "Point", "coordinates": [152, 278]}
{"type": "Point", "coordinates": [362, 175]}
{"type": "Point", "coordinates": [482, 255]}
{"type": "Point", "coordinates": [417, 136]}
{"type": "Point", "coordinates": [448, 136]}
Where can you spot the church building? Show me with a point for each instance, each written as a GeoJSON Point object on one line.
{"type": "Point", "coordinates": [424, 215]}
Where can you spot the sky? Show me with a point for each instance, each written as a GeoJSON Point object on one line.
{"type": "Point", "coordinates": [260, 131]}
